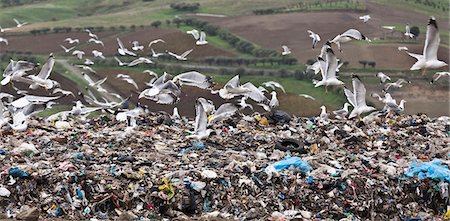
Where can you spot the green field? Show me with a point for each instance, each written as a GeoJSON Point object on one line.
{"type": "Point", "coordinates": [420, 6]}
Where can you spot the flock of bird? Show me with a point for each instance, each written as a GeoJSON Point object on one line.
{"type": "Point", "coordinates": [167, 89]}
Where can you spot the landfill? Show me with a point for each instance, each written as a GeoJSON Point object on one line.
{"type": "Point", "coordinates": [375, 168]}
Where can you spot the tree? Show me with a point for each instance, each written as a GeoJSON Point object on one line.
{"type": "Point", "coordinates": [364, 63]}
{"type": "Point", "coordinates": [372, 64]}
{"type": "Point", "coordinates": [156, 24]}
{"type": "Point", "coordinates": [177, 21]}
{"type": "Point", "coordinates": [168, 22]}
{"type": "Point", "coordinates": [415, 31]}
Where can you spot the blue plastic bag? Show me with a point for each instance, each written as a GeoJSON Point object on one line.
{"type": "Point", "coordinates": [17, 172]}
{"type": "Point", "coordinates": [434, 170]}
{"type": "Point", "coordinates": [291, 161]}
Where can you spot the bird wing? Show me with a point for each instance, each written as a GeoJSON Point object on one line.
{"type": "Point", "coordinates": [350, 97]}
{"type": "Point", "coordinates": [186, 53]}
{"type": "Point", "coordinates": [202, 36]}
{"type": "Point", "coordinates": [432, 41]}
{"type": "Point", "coordinates": [285, 48]}
{"type": "Point", "coordinates": [323, 67]}
{"type": "Point", "coordinates": [201, 120]}
{"type": "Point", "coordinates": [194, 78]}
{"type": "Point", "coordinates": [353, 33]}
{"type": "Point", "coordinates": [254, 93]}
{"type": "Point", "coordinates": [47, 68]}
{"type": "Point", "coordinates": [120, 43]}
{"type": "Point", "coordinates": [331, 64]}
{"type": "Point", "coordinates": [195, 34]}
{"type": "Point", "coordinates": [224, 111]}
{"type": "Point", "coordinates": [360, 91]}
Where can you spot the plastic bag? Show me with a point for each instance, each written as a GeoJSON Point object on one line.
{"type": "Point", "coordinates": [434, 170]}
{"type": "Point", "coordinates": [288, 162]}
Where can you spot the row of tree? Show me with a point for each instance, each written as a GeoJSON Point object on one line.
{"type": "Point", "coordinates": [307, 5]}
{"type": "Point", "coordinates": [182, 6]}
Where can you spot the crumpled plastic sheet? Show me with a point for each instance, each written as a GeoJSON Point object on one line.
{"type": "Point", "coordinates": [433, 170]}
{"type": "Point", "coordinates": [288, 162]}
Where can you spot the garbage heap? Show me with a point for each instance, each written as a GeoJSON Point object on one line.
{"type": "Point", "coordinates": [296, 169]}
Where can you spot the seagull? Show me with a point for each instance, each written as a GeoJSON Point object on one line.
{"type": "Point", "coordinates": [208, 105]}
{"type": "Point", "coordinates": [163, 91]}
{"type": "Point", "coordinates": [223, 112]}
{"type": "Point", "coordinates": [328, 70]}
{"type": "Point", "coordinates": [19, 122]}
{"type": "Point", "coordinates": [140, 61]}
{"type": "Point", "coordinates": [156, 55]}
{"type": "Point", "coordinates": [357, 98]}
{"type": "Point", "coordinates": [348, 36]}
{"type": "Point", "coordinates": [2, 30]}
{"type": "Point", "coordinates": [408, 32]}
{"type": "Point", "coordinates": [388, 27]}
{"type": "Point", "coordinates": [93, 83]}
{"type": "Point", "coordinates": [87, 68]}
{"type": "Point", "coordinates": [64, 92]}
{"type": "Point", "coordinates": [201, 122]}
{"type": "Point", "coordinates": [67, 50]}
{"type": "Point", "coordinates": [315, 38]}
{"type": "Point", "coordinates": [41, 79]}
{"type": "Point", "coordinates": [365, 18]}
{"type": "Point", "coordinates": [136, 46]}
{"type": "Point", "coordinates": [175, 114]}
{"type": "Point", "coordinates": [19, 24]}
{"type": "Point", "coordinates": [91, 34]}
{"type": "Point", "coordinates": [398, 84]}
{"type": "Point", "coordinates": [120, 62]}
{"type": "Point", "coordinates": [202, 40]}
{"type": "Point", "coordinates": [429, 57]}
{"type": "Point", "coordinates": [342, 113]}
{"type": "Point", "coordinates": [382, 77]}
{"type": "Point", "coordinates": [72, 41]}
{"type": "Point", "coordinates": [155, 41]}
{"type": "Point", "coordinates": [124, 51]}
{"type": "Point", "coordinates": [274, 101]}
{"type": "Point", "coordinates": [194, 33]}
{"type": "Point", "coordinates": [243, 104]}
{"type": "Point", "coordinates": [15, 70]}
{"type": "Point", "coordinates": [96, 41]}
{"type": "Point", "coordinates": [128, 79]}
{"type": "Point", "coordinates": [88, 62]}
{"type": "Point", "coordinates": [323, 113]}
{"type": "Point", "coordinates": [438, 75]}
{"type": "Point", "coordinates": [78, 53]}
{"type": "Point", "coordinates": [98, 54]}
{"type": "Point", "coordinates": [151, 73]}
{"type": "Point", "coordinates": [4, 40]}
{"type": "Point", "coordinates": [181, 57]}
{"type": "Point", "coordinates": [273, 85]}
{"type": "Point", "coordinates": [402, 48]}
{"type": "Point", "coordinates": [286, 50]}
{"type": "Point", "coordinates": [194, 78]}
{"type": "Point", "coordinates": [307, 96]}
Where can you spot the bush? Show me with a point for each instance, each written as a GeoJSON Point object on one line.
{"type": "Point", "coordinates": [156, 24]}
{"type": "Point", "coordinates": [182, 6]}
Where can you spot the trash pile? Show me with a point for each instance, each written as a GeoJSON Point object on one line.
{"type": "Point", "coordinates": [301, 169]}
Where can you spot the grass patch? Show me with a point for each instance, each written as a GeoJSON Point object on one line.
{"type": "Point", "coordinates": [421, 7]}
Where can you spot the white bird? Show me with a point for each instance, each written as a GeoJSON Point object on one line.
{"type": "Point", "coordinates": [195, 79]}
{"type": "Point", "coordinates": [96, 41]}
{"type": "Point", "coordinates": [120, 62]}
{"type": "Point", "coordinates": [408, 32]}
{"type": "Point", "coordinates": [402, 48]}
{"type": "Point", "coordinates": [223, 112]}
{"type": "Point", "coordinates": [323, 113]}
{"type": "Point", "coordinates": [274, 101]}
{"type": "Point", "coordinates": [273, 85]}
{"type": "Point", "coordinates": [400, 107]}
{"type": "Point", "coordinates": [175, 114]}
{"type": "Point", "coordinates": [342, 113]}
{"type": "Point", "coordinates": [87, 68]}
{"type": "Point", "coordinates": [155, 41]}
{"type": "Point", "coordinates": [41, 79]}
{"type": "Point", "coordinates": [98, 54]}
{"type": "Point", "coordinates": [64, 92]}
{"type": "Point", "coordinates": [202, 40]}
{"type": "Point", "coordinates": [15, 70]}
{"type": "Point", "coordinates": [429, 57]}
{"type": "Point", "coordinates": [67, 50]}
{"type": "Point", "coordinates": [208, 105]}
{"type": "Point", "coordinates": [88, 61]}
{"type": "Point", "coordinates": [78, 53]}
{"type": "Point", "coordinates": [351, 34]}
{"type": "Point", "coordinates": [19, 24]}
{"type": "Point", "coordinates": [124, 51]}
{"type": "Point", "coordinates": [72, 41]}
{"type": "Point", "coordinates": [136, 46]}
{"type": "Point", "coordinates": [398, 84]}
{"type": "Point", "coordinates": [194, 33]}
{"type": "Point", "coordinates": [93, 83]}
{"type": "Point", "coordinates": [128, 79]}
{"type": "Point", "coordinates": [315, 38]}
{"type": "Point", "coordinates": [181, 57]}
{"type": "Point", "coordinates": [140, 61]}
{"type": "Point", "coordinates": [307, 96]}
{"type": "Point", "coordinates": [2, 30]}
{"type": "Point", "coordinates": [201, 122]}
{"type": "Point", "coordinates": [19, 122]}
{"type": "Point", "coordinates": [286, 50]}
{"type": "Point", "coordinates": [365, 18]}
{"type": "Point", "coordinates": [388, 27]}
{"type": "Point", "coordinates": [151, 73]}
{"type": "Point", "coordinates": [156, 55]}
{"type": "Point", "coordinates": [357, 98]}
{"type": "Point", "coordinates": [243, 104]}
{"type": "Point", "coordinates": [328, 70]}
{"type": "Point", "coordinates": [92, 35]}
{"type": "Point", "coordinates": [438, 75]}
{"type": "Point", "coordinates": [383, 77]}
{"type": "Point", "coordinates": [4, 40]}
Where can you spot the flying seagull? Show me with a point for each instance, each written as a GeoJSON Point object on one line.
{"type": "Point", "coordinates": [181, 57]}
{"type": "Point", "coordinates": [365, 18]}
{"type": "Point", "coordinates": [41, 79]}
{"type": "Point", "coordinates": [92, 35]}
{"type": "Point", "coordinates": [194, 78]}
{"type": "Point", "coordinates": [136, 46]}
{"type": "Point", "coordinates": [140, 61]}
{"type": "Point", "coordinates": [202, 40]}
{"type": "Point", "coordinates": [383, 77]}
{"type": "Point", "coordinates": [328, 69]}
{"type": "Point", "coordinates": [67, 50]}
{"type": "Point", "coordinates": [286, 50]}
{"type": "Point", "coordinates": [357, 98]}
{"type": "Point", "coordinates": [307, 96]}
{"type": "Point", "coordinates": [402, 48]}
{"type": "Point", "coordinates": [348, 36]}
{"type": "Point", "coordinates": [155, 41]}
{"type": "Point", "coordinates": [429, 57]}
{"type": "Point", "coordinates": [315, 38]}
{"type": "Point", "coordinates": [120, 62]}
{"type": "Point", "coordinates": [19, 24]}
{"type": "Point", "coordinates": [194, 33]}
{"type": "Point", "coordinates": [4, 40]}
{"type": "Point", "coordinates": [273, 85]}
{"type": "Point", "coordinates": [78, 53]}
{"type": "Point", "coordinates": [98, 54]}
{"type": "Point", "coordinates": [438, 75]}
{"type": "Point", "coordinates": [408, 32]}
{"type": "Point", "coordinates": [398, 84]}
{"type": "Point", "coordinates": [96, 41]}
{"type": "Point", "coordinates": [124, 51]}
{"type": "Point", "coordinates": [201, 122]}
{"type": "Point", "coordinates": [72, 41]}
